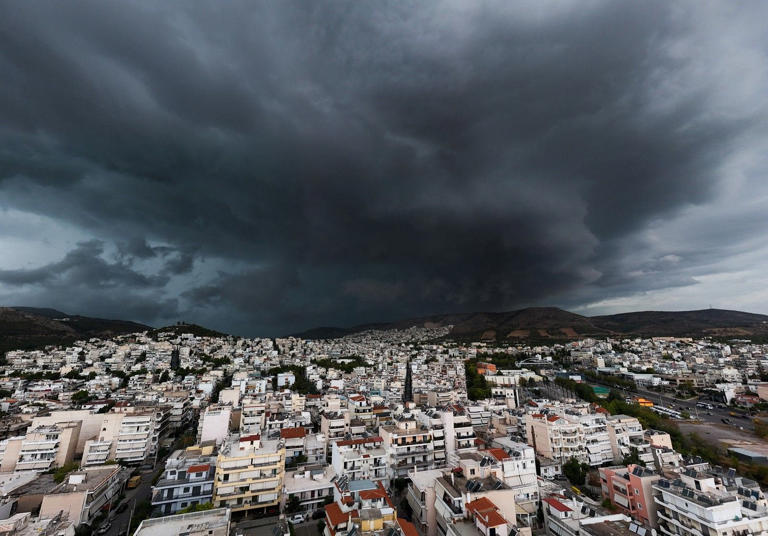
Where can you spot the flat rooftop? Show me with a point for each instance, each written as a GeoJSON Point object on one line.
{"type": "Point", "coordinates": [196, 522]}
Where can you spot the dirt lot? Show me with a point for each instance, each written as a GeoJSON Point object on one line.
{"type": "Point", "coordinates": [726, 435]}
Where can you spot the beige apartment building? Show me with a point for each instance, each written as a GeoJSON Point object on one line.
{"type": "Point", "coordinates": [42, 448]}
{"type": "Point", "coordinates": [249, 474]}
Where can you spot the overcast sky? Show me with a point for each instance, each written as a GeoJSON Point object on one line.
{"type": "Point", "coordinates": [265, 167]}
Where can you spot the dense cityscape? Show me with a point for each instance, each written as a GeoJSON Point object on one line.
{"type": "Point", "coordinates": [399, 432]}
{"type": "Point", "coordinates": [383, 268]}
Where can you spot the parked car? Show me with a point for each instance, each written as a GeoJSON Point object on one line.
{"type": "Point", "coordinates": [104, 528]}
{"type": "Point", "coordinates": [296, 518]}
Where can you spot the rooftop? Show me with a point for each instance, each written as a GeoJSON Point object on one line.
{"type": "Point", "coordinates": [196, 522]}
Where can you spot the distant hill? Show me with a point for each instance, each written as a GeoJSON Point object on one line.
{"type": "Point", "coordinates": [30, 327]}
{"type": "Point", "coordinates": [543, 324]}
{"type": "Point", "coordinates": [194, 329]}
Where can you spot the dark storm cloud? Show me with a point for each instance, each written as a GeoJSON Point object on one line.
{"type": "Point", "coordinates": [293, 164]}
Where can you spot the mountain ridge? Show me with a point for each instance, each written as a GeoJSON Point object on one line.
{"type": "Point", "coordinates": [25, 328]}
{"type": "Point", "coordinates": [552, 323]}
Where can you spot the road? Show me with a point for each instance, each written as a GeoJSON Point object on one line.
{"type": "Point", "coordinates": [718, 414]}
{"type": "Point", "coordinates": [140, 493]}
{"type": "Point", "coordinates": [555, 391]}
{"type": "Point", "coordinates": [308, 528]}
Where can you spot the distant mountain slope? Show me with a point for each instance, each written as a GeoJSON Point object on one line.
{"type": "Point", "coordinates": [677, 323]}
{"type": "Point", "coordinates": [550, 323]}
{"type": "Point", "coordinates": [29, 327]}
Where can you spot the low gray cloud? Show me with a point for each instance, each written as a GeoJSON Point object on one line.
{"type": "Point", "coordinates": [266, 168]}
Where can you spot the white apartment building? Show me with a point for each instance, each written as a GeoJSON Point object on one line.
{"type": "Point", "coordinates": [596, 438]}
{"type": "Point", "coordinates": [214, 424]}
{"type": "Point", "coordinates": [186, 481]}
{"type": "Point", "coordinates": [130, 438]}
{"type": "Point", "coordinates": [699, 502]}
{"type": "Point", "coordinates": [555, 437]}
{"type": "Point", "coordinates": [361, 459]}
{"type": "Point", "coordinates": [626, 433]}
{"type": "Point", "coordinates": [517, 469]}
{"type": "Point", "coordinates": [408, 446]}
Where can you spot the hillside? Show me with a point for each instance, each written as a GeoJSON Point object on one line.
{"type": "Point", "coordinates": [543, 324]}
{"type": "Point", "coordinates": [713, 322]}
{"type": "Point", "coordinates": [28, 328]}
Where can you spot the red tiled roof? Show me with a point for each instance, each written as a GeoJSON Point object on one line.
{"type": "Point", "coordinates": [493, 519]}
{"type": "Point", "coordinates": [557, 505]}
{"type": "Point", "coordinates": [293, 433]}
{"type": "Point", "coordinates": [361, 441]}
{"type": "Point", "coordinates": [408, 528]}
{"type": "Point", "coordinates": [254, 437]}
{"type": "Point", "coordinates": [198, 468]}
{"type": "Point", "coordinates": [553, 418]}
{"type": "Point", "coordinates": [336, 516]}
{"type": "Point", "coordinates": [483, 504]}
{"type": "Point", "coordinates": [499, 454]}
{"type": "Point", "coordinates": [370, 494]}
{"type": "Point", "coordinates": [538, 415]}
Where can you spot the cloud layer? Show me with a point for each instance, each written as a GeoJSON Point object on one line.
{"type": "Point", "coordinates": [264, 168]}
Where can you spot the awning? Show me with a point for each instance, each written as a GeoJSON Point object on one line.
{"type": "Point", "coordinates": [528, 507]}
{"type": "Point", "coordinates": [620, 499]}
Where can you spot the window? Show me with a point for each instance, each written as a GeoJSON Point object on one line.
{"type": "Point", "coordinates": [639, 506]}
{"type": "Point", "coordinates": [637, 492]}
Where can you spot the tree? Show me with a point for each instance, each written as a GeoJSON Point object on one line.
{"type": "Point", "coordinates": [164, 376]}
{"type": "Point", "coordinates": [196, 508]}
{"type": "Point", "coordinates": [633, 457]}
{"type": "Point", "coordinates": [293, 505]}
{"type": "Point", "coordinates": [576, 471]}
{"type": "Point", "coordinates": [81, 397]}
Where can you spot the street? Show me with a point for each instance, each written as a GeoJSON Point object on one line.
{"type": "Point", "coordinates": [555, 391]}
{"type": "Point", "coordinates": [140, 493]}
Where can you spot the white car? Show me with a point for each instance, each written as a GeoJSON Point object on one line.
{"type": "Point", "coordinates": [296, 518]}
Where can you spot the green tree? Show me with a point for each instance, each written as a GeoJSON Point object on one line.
{"type": "Point", "coordinates": [81, 397]}
{"type": "Point", "coordinates": [196, 508]}
{"type": "Point", "coordinates": [293, 505]}
{"type": "Point", "coordinates": [633, 457]}
{"type": "Point", "coordinates": [576, 471]}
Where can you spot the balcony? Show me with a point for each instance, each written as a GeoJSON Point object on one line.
{"type": "Point", "coordinates": [413, 450]}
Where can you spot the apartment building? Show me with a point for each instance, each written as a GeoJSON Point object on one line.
{"type": "Point", "coordinates": [249, 474]}
{"type": "Point", "coordinates": [597, 441]}
{"type": "Point", "coordinates": [311, 485]}
{"type": "Point", "coordinates": [516, 467]}
{"type": "Point", "coordinates": [408, 446]}
{"type": "Point", "coordinates": [186, 481]}
{"type": "Point", "coordinates": [42, 448]}
{"type": "Point", "coordinates": [214, 424]}
{"type": "Point", "coordinates": [362, 507]}
{"type": "Point", "coordinates": [421, 497]}
{"type": "Point", "coordinates": [630, 489]}
{"type": "Point", "coordinates": [129, 438]}
{"type": "Point", "coordinates": [361, 459]}
{"type": "Point", "coordinates": [555, 437]}
{"type": "Point", "coordinates": [710, 503]}
{"type": "Point", "coordinates": [457, 493]}
{"type": "Point", "coordinates": [214, 522]}
{"type": "Point", "coordinates": [84, 493]}
{"type": "Point", "coordinates": [333, 425]}
{"type": "Point", "coordinates": [569, 517]}
{"type": "Point", "coordinates": [626, 433]}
